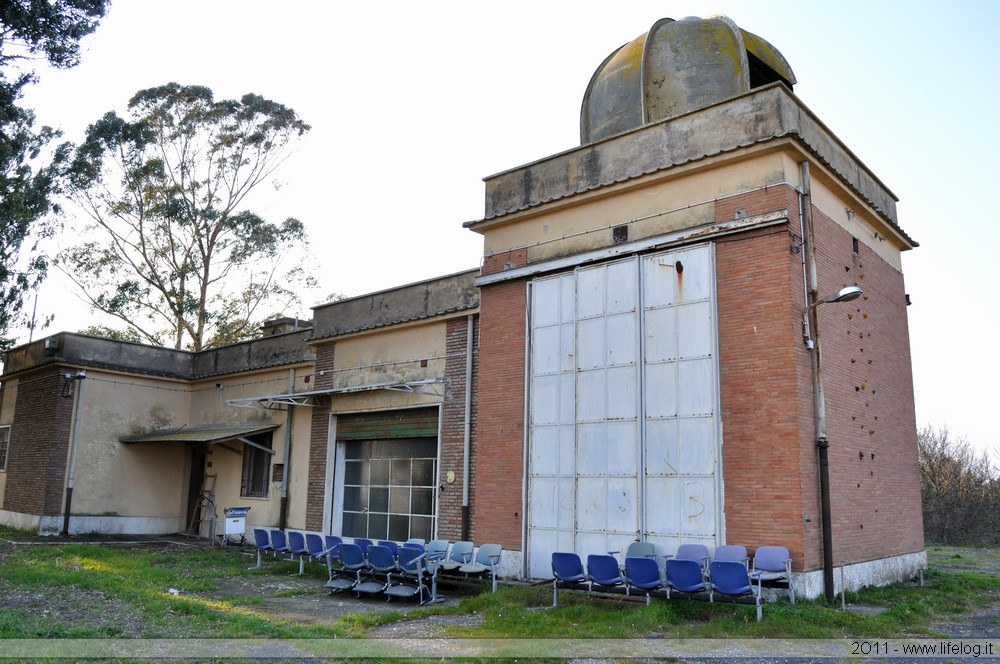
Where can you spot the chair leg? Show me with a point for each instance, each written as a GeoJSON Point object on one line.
{"type": "Point", "coordinates": [259, 564]}
{"type": "Point", "coordinates": [555, 593]}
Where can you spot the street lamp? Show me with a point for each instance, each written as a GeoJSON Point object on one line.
{"type": "Point", "coordinates": [811, 335]}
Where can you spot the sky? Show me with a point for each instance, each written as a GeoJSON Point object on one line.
{"type": "Point", "coordinates": [413, 103]}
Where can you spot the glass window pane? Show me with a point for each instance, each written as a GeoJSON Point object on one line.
{"type": "Point", "coordinates": [423, 501]}
{"type": "Point", "coordinates": [380, 472]}
{"type": "Point", "coordinates": [354, 498]}
{"type": "Point", "coordinates": [379, 500]}
{"type": "Point", "coordinates": [378, 526]}
{"type": "Point", "coordinates": [423, 472]}
{"type": "Point", "coordinates": [422, 526]}
{"type": "Point", "coordinates": [356, 472]}
{"type": "Point", "coordinates": [424, 447]}
{"type": "Point", "coordinates": [355, 524]}
{"type": "Point", "coordinates": [399, 500]}
{"type": "Point", "coordinates": [401, 472]}
{"type": "Point", "coordinates": [354, 449]}
{"type": "Point", "coordinates": [399, 527]}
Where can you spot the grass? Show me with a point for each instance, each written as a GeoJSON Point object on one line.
{"type": "Point", "coordinates": [134, 584]}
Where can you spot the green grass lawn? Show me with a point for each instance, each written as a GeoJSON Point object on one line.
{"type": "Point", "coordinates": [134, 583]}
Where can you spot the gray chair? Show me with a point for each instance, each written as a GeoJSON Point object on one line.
{"type": "Point", "coordinates": [461, 553]}
{"type": "Point", "coordinates": [773, 565]}
{"type": "Point", "coordinates": [695, 552]}
{"type": "Point", "coordinates": [486, 561]}
{"type": "Point", "coordinates": [733, 553]}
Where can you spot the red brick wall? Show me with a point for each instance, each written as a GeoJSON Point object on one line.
{"type": "Point", "coordinates": [500, 425]}
{"type": "Point", "coordinates": [318, 438]}
{"type": "Point", "coordinates": [498, 262]}
{"type": "Point", "coordinates": [868, 380]}
{"type": "Point", "coordinates": [770, 467]}
{"type": "Point", "coordinates": [39, 442]}
{"type": "Point", "coordinates": [453, 429]}
{"type": "Point", "coordinates": [764, 389]}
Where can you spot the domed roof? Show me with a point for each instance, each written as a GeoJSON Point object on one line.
{"type": "Point", "coordinates": [677, 67]}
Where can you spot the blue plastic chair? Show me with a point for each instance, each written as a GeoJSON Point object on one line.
{"type": "Point", "coordinates": [685, 576]}
{"type": "Point", "coordinates": [297, 547]}
{"type": "Point", "coordinates": [603, 571]}
{"type": "Point", "coordinates": [349, 575]}
{"type": "Point", "coordinates": [364, 543]}
{"type": "Point", "coordinates": [392, 546]}
{"type": "Point", "coordinates": [278, 541]}
{"type": "Point", "coordinates": [316, 549]}
{"type": "Point", "coordinates": [262, 540]}
{"type": "Point", "coordinates": [643, 574]}
{"type": "Point", "coordinates": [567, 568]}
{"type": "Point", "coordinates": [332, 544]}
{"type": "Point", "coordinates": [409, 575]}
{"type": "Point", "coordinates": [380, 563]}
{"type": "Point", "coordinates": [730, 577]}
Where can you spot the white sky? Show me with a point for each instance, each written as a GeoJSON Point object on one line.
{"type": "Point", "coordinates": [412, 103]}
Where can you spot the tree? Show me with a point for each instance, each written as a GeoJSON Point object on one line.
{"type": "Point", "coordinates": [29, 30]}
{"type": "Point", "coordinates": [960, 490]}
{"type": "Point", "coordinates": [177, 255]}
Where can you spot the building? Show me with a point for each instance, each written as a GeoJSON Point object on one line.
{"type": "Point", "coordinates": [639, 357]}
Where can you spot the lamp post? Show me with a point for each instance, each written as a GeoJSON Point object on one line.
{"type": "Point", "coordinates": [810, 332]}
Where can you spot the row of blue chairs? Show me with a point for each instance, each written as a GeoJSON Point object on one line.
{"type": "Point", "coordinates": [342, 574]}
{"type": "Point", "coordinates": [770, 565]}
{"type": "Point", "coordinates": [293, 544]}
{"type": "Point", "coordinates": [400, 571]}
{"type": "Point", "coordinates": [407, 569]}
{"type": "Point", "coordinates": [689, 571]}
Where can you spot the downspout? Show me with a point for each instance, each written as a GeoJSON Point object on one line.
{"type": "Point", "coordinates": [73, 442]}
{"type": "Point", "coordinates": [286, 474]}
{"type": "Point", "coordinates": [467, 433]}
{"type": "Point", "coordinates": [822, 444]}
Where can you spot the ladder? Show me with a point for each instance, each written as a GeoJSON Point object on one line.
{"type": "Point", "coordinates": [205, 510]}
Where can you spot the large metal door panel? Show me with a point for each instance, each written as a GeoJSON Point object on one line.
{"type": "Point", "coordinates": [697, 456]}
{"type": "Point", "coordinates": [627, 372]}
{"type": "Point", "coordinates": [695, 387]}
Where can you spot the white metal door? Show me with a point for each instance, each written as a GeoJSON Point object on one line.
{"type": "Point", "coordinates": [622, 377]}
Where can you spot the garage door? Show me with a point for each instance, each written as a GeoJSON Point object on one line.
{"type": "Point", "coordinates": [623, 441]}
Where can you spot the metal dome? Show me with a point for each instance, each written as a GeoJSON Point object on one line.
{"type": "Point", "coordinates": [674, 68]}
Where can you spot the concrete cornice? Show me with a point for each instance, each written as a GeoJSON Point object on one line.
{"type": "Point", "coordinates": [765, 114]}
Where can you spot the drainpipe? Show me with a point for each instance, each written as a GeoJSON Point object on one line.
{"type": "Point", "coordinates": [822, 444]}
{"type": "Point", "coordinates": [286, 475]}
{"type": "Point", "coordinates": [467, 434]}
{"type": "Point", "coordinates": [73, 442]}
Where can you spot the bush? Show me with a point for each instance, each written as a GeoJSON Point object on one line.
{"type": "Point", "coordinates": [960, 490]}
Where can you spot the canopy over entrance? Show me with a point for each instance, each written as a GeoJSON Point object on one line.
{"type": "Point", "coordinates": [217, 433]}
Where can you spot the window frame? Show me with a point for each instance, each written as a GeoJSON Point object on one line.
{"type": "Point", "coordinates": [4, 445]}
{"type": "Point", "coordinates": [255, 478]}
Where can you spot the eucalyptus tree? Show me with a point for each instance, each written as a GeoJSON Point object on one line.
{"type": "Point", "coordinates": [170, 248]}
{"type": "Point", "coordinates": [31, 30]}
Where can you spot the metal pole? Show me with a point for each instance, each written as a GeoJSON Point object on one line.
{"type": "Point", "coordinates": [286, 474]}
{"type": "Point", "coordinates": [467, 433]}
{"type": "Point", "coordinates": [822, 444]}
{"type": "Point", "coordinates": [73, 441]}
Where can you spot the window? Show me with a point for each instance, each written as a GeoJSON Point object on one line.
{"type": "Point", "coordinates": [4, 441]}
{"type": "Point", "coordinates": [389, 490]}
{"type": "Point", "coordinates": [256, 467]}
